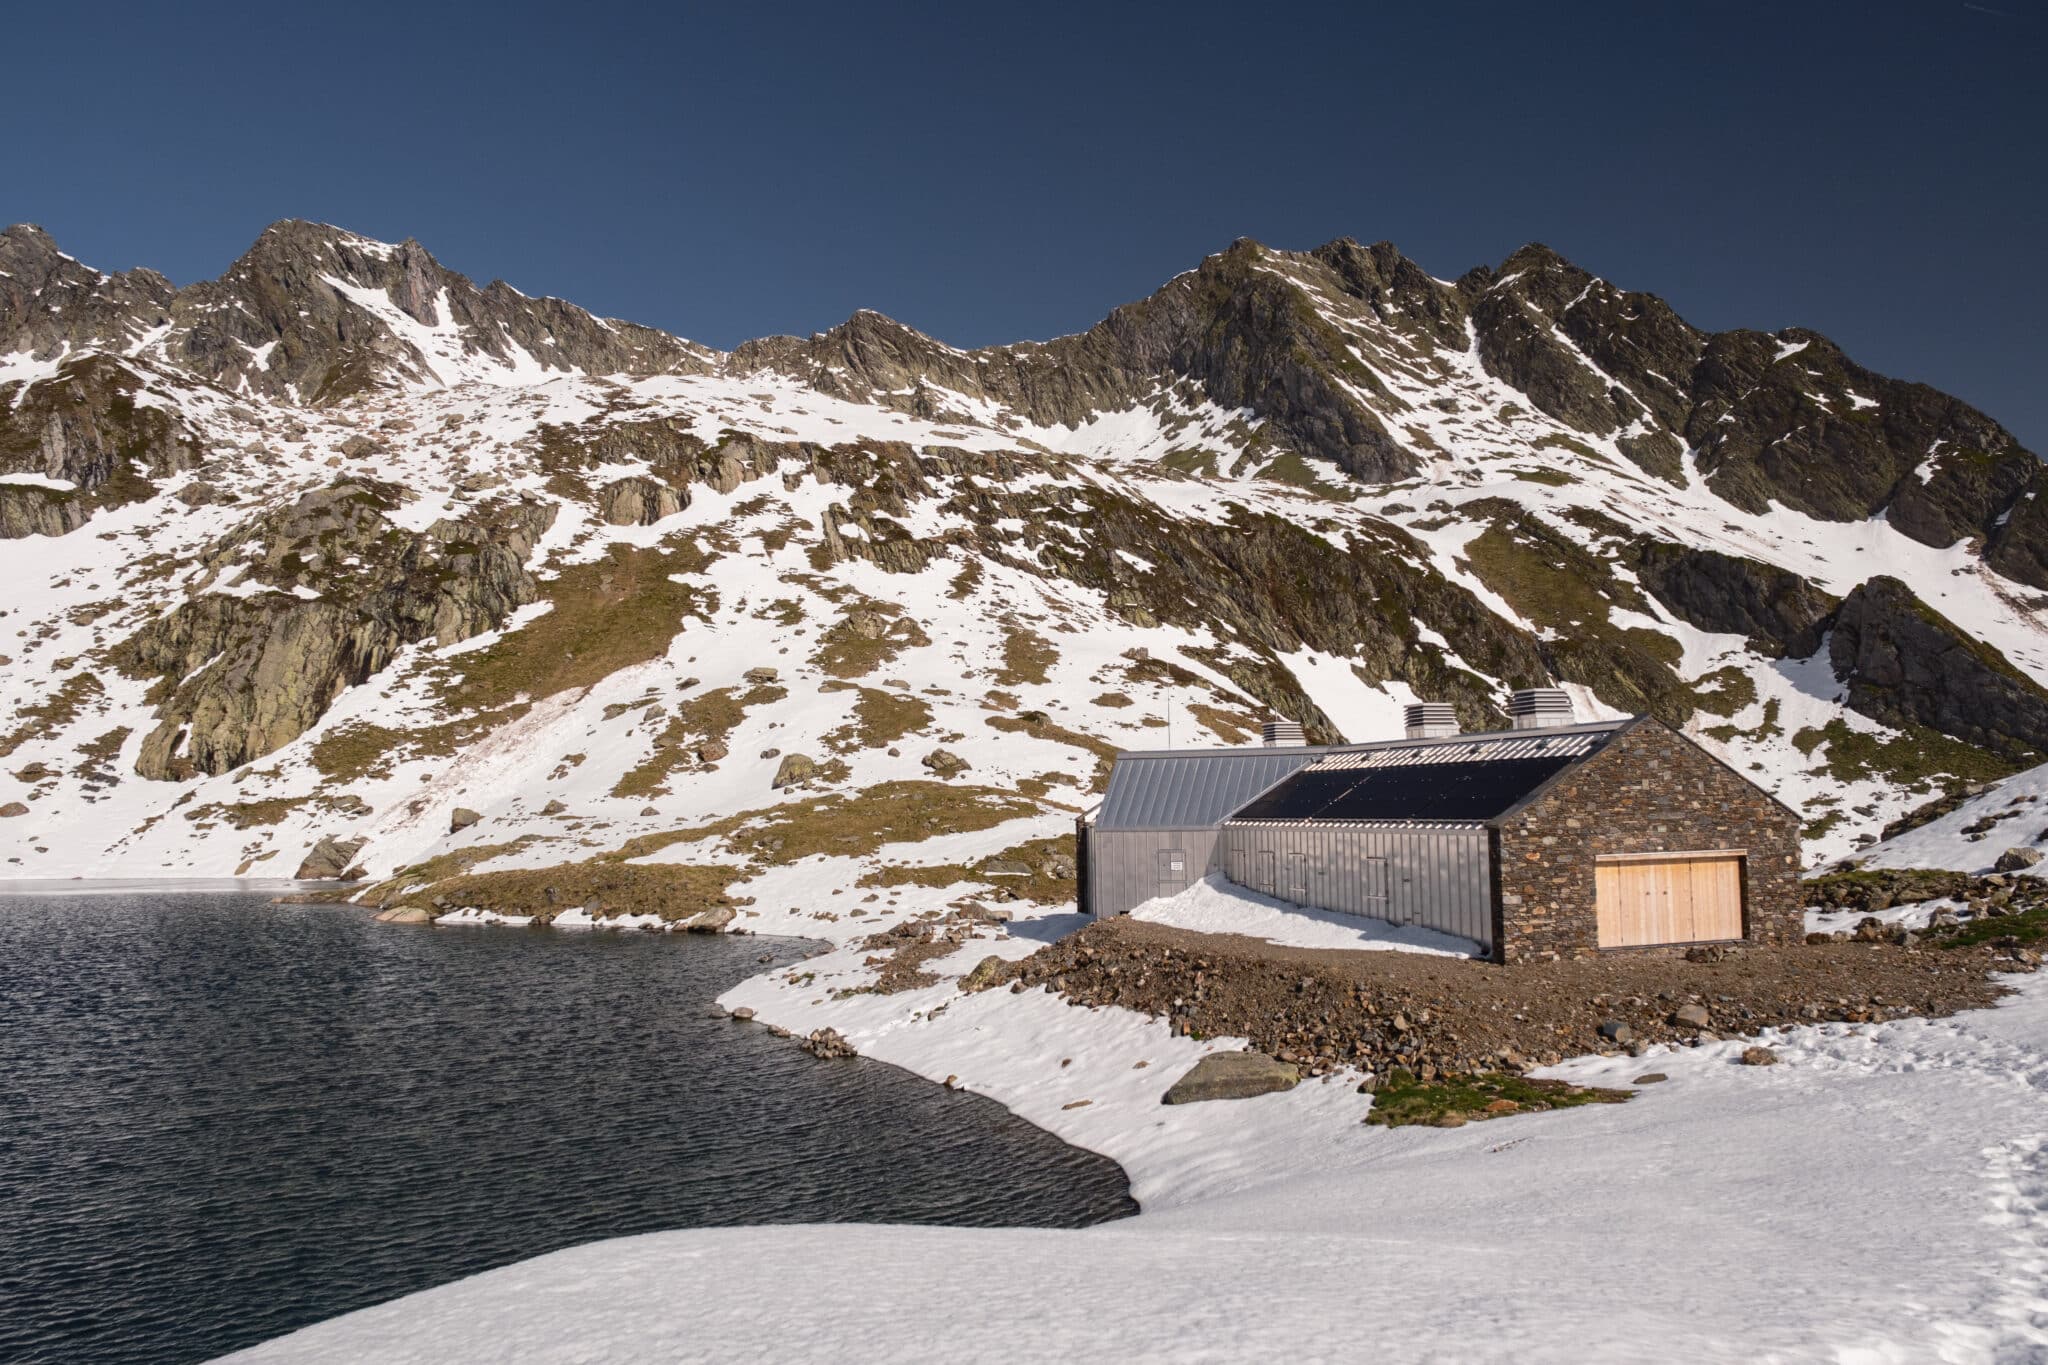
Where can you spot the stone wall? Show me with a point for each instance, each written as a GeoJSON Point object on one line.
{"type": "Point", "coordinates": [1648, 790]}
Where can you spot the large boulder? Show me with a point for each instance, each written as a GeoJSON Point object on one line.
{"type": "Point", "coordinates": [945, 763]}
{"type": "Point", "coordinates": [1232, 1076]}
{"type": "Point", "coordinates": [329, 859]}
{"type": "Point", "coordinates": [2017, 859]}
{"type": "Point", "coordinates": [461, 818]}
{"type": "Point", "coordinates": [795, 770]}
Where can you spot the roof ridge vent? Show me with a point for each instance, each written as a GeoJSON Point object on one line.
{"type": "Point", "coordinates": [1539, 708]}
{"type": "Point", "coordinates": [1277, 732]}
{"type": "Point", "coordinates": [1430, 719]}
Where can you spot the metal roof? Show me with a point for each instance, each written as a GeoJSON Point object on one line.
{"type": "Point", "coordinates": [1193, 788]}
{"type": "Point", "coordinates": [1457, 778]}
{"type": "Point", "coordinates": [1489, 748]}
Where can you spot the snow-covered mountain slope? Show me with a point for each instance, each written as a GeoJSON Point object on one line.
{"type": "Point", "coordinates": [1973, 835]}
{"type": "Point", "coordinates": [340, 544]}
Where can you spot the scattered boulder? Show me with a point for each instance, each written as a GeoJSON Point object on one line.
{"type": "Point", "coordinates": [1651, 1078]}
{"type": "Point", "coordinates": [1616, 1031]}
{"type": "Point", "coordinates": [403, 914]}
{"type": "Point", "coordinates": [743, 1013]}
{"type": "Point", "coordinates": [1691, 1016]}
{"type": "Point", "coordinates": [945, 763]}
{"type": "Point", "coordinates": [794, 770]}
{"type": "Point", "coordinates": [710, 921]}
{"type": "Point", "coordinates": [553, 808]}
{"type": "Point", "coordinates": [2017, 859]}
{"type": "Point", "coordinates": [1232, 1076]}
{"type": "Point", "coordinates": [329, 859]}
{"type": "Point", "coordinates": [1002, 867]}
{"type": "Point", "coordinates": [828, 1043]}
{"type": "Point", "coordinates": [461, 818]}
{"type": "Point", "coordinates": [987, 972]}
{"type": "Point", "coordinates": [711, 750]}
{"type": "Point", "coordinates": [12, 809]}
{"type": "Point", "coordinates": [650, 810]}
{"type": "Point", "coordinates": [1759, 1056]}
{"type": "Point", "coordinates": [760, 676]}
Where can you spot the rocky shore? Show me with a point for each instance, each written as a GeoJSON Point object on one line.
{"type": "Point", "coordinates": [1326, 1010]}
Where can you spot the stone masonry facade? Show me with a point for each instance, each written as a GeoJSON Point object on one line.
{"type": "Point", "coordinates": [1648, 790]}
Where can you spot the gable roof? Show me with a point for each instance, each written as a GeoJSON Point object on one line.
{"type": "Point", "coordinates": [1464, 778]}
{"type": "Point", "coordinates": [1193, 788]}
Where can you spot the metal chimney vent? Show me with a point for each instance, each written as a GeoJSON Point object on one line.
{"type": "Point", "coordinates": [1430, 719]}
{"type": "Point", "coordinates": [1537, 708]}
{"type": "Point", "coordinates": [1279, 732]}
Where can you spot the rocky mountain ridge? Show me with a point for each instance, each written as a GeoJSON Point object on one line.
{"type": "Point", "coordinates": [326, 545]}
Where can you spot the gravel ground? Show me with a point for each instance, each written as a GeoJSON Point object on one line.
{"type": "Point", "coordinates": [1325, 1008]}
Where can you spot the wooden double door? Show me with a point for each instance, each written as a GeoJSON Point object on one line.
{"type": "Point", "coordinates": [1646, 899]}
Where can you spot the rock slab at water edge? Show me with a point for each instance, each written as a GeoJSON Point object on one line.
{"type": "Point", "coordinates": [1232, 1076]}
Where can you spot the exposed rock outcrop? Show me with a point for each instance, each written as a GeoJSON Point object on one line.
{"type": "Point", "coordinates": [639, 501]}
{"type": "Point", "coordinates": [83, 430]}
{"type": "Point", "coordinates": [1783, 615]}
{"type": "Point", "coordinates": [1906, 664]}
{"type": "Point", "coordinates": [275, 660]}
{"type": "Point", "coordinates": [329, 858]}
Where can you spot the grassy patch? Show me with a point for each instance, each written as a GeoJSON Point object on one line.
{"type": "Point", "coordinates": [1027, 657]}
{"type": "Point", "coordinates": [846, 824]}
{"type": "Point", "coordinates": [1725, 691]}
{"type": "Point", "coordinates": [1228, 726]}
{"type": "Point", "coordinates": [671, 890]}
{"type": "Point", "coordinates": [357, 750]}
{"type": "Point", "coordinates": [1555, 478]}
{"type": "Point", "coordinates": [1039, 726]}
{"type": "Point", "coordinates": [54, 712]}
{"type": "Point", "coordinates": [620, 611]}
{"type": "Point", "coordinates": [1766, 728]}
{"type": "Point", "coordinates": [1559, 441]}
{"type": "Point", "coordinates": [1913, 759]}
{"type": "Point", "coordinates": [1039, 885]}
{"type": "Point", "coordinates": [247, 814]}
{"type": "Point", "coordinates": [868, 636]}
{"type": "Point", "coordinates": [2028, 927]}
{"type": "Point", "coordinates": [706, 719]}
{"type": "Point", "coordinates": [1405, 1100]}
{"type": "Point", "coordinates": [1289, 468]}
{"type": "Point", "coordinates": [879, 720]}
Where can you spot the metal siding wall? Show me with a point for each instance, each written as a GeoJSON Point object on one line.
{"type": "Point", "coordinates": [1123, 866]}
{"type": "Point", "coordinates": [1438, 878]}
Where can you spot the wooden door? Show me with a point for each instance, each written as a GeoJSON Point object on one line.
{"type": "Point", "coordinates": [1668, 898]}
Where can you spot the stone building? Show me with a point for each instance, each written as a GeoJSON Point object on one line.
{"type": "Point", "coordinates": [1549, 840]}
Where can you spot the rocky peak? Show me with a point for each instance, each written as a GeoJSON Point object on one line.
{"type": "Point", "coordinates": [50, 302]}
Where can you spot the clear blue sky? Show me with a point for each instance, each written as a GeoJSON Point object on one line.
{"type": "Point", "coordinates": [990, 173]}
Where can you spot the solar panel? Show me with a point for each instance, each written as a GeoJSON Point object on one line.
{"type": "Point", "coordinates": [1413, 791]}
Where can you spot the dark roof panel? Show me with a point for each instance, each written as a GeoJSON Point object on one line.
{"type": "Point", "coordinates": [1416, 791]}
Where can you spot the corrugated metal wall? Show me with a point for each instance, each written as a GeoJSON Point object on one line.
{"type": "Point", "coordinates": [1438, 876]}
{"type": "Point", "coordinates": [1126, 868]}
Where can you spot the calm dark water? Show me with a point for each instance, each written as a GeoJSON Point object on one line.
{"type": "Point", "coordinates": [221, 1120]}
